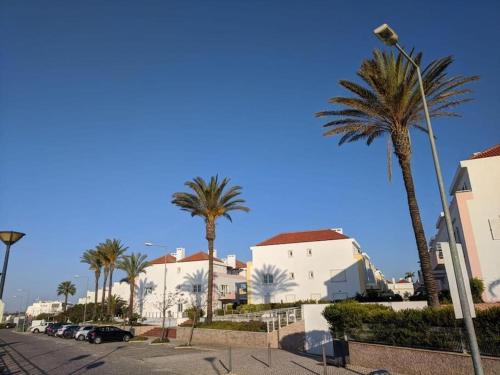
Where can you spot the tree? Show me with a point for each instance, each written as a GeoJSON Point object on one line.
{"type": "Point", "coordinates": [390, 104]}
{"type": "Point", "coordinates": [101, 252]}
{"type": "Point", "coordinates": [113, 249]}
{"type": "Point", "coordinates": [66, 288]}
{"type": "Point", "coordinates": [133, 265]}
{"type": "Point", "coordinates": [409, 274]}
{"type": "Point", "coordinates": [210, 201]}
{"type": "Point", "coordinates": [162, 304]}
{"type": "Point", "coordinates": [93, 259]}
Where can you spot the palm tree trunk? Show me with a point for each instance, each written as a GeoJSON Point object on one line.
{"type": "Point", "coordinates": [110, 291]}
{"type": "Point", "coordinates": [403, 151]}
{"type": "Point", "coordinates": [131, 302]}
{"type": "Point", "coordinates": [103, 297]}
{"type": "Point", "coordinates": [65, 304]}
{"type": "Point", "coordinates": [210, 236]}
{"type": "Point", "coordinates": [95, 295]}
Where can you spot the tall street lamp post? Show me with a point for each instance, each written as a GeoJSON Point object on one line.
{"type": "Point", "coordinates": [390, 38]}
{"type": "Point", "coordinates": [86, 289]}
{"type": "Point", "coordinates": [27, 296]}
{"type": "Point", "coordinates": [8, 238]}
{"type": "Point", "coordinates": [164, 310]}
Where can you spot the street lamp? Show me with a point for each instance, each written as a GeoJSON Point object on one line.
{"type": "Point", "coordinates": [86, 289]}
{"type": "Point", "coordinates": [8, 238]}
{"type": "Point", "coordinates": [389, 37]}
{"type": "Point", "coordinates": [164, 310]}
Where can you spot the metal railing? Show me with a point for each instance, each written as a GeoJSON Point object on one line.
{"type": "Point", "coordinates": [274, 319]}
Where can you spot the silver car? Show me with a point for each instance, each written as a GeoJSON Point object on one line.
{"type": "Point", "coordinates": [81, 334]}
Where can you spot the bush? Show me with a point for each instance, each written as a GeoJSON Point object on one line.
{"type": "Point", "coordinates": [427, 328]}
{"type": "Point", "coordinates": [477, 289]}
{"type": "Point", "coordinates": [190, 312]}
{"type": "Point", "coordinates": [252, 326]}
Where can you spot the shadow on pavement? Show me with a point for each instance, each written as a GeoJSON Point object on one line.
{"type": "Point", "coordinates": [212, 360]}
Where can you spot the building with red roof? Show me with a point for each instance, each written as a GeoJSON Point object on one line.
{"type": "Point", "coordinates": [323, 264]}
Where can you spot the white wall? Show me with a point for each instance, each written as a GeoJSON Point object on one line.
{"type": "Point", "coordinates": [330, 261]}
{"type": "Point", "coordinates": [317, 330]}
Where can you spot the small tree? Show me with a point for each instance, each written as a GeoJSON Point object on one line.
{"type": "Point", "coordinates": [171, 299]}
{"type": "Point", "coordinates": [66, 288]}
{"type": "Point", "coordinates": [477, 289]}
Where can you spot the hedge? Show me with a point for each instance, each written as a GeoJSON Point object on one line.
{"type": "Point", "coordinates": [427, 328]}
{"type": "Point", "coordinates": [252, 326]}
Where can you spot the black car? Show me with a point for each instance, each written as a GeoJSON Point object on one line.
{"type": "Point", "coordinates": [108, 333]}
{"type": "Point", "coordinates": [52, 328]}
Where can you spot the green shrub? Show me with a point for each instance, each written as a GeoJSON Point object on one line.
{"type": "Point", "coordinates": [427, 328]}
{"type": "Point", "coordinates": [190, 312]}
{"type": "Point", "coordinates": [252, 326]}
{"type": "Point", "coordinates": [477, 289]}
{"type": "Point", "coordinates": [159, 340]}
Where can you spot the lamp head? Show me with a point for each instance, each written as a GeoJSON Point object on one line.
{"type": "Point", "coordinates": [10, 237]}
{"type": "Point", "coordinates": [387, 35]}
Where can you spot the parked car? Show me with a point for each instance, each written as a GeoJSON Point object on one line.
{"type": "Point", "coordinates": [8, 325]}
{"type": "Point", "coordinates": [108, 333]}
{"type": "Point", "coordinates": [81, 334]}
{"type": "Point", "coordinates": [67, 331]}
{"type": "Point", "coordinates": [52, 328]}
{"type": "Point", "coordinates": [38, 326]}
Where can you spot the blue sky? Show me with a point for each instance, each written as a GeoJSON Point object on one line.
{"type": "Point", "coordinates": [106, 108]}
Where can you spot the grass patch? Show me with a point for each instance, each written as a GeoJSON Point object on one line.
{"type": "Point", "coordinates": [139, 338]}
{"type": "Point", "coordinates": [159, 340]}
{"type": "Point", "coordinates": [252, 326]}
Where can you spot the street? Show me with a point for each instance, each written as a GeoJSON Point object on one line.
{"type": "Point", "coordinates": [29, 354]}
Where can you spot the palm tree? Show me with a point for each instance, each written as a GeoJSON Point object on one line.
{"type": "Point", "coordinates": [66, 288]}
{"type": "Point", "coordinates": [133, 265]}
{"type": "Point", "coordinates": [93, 259]}
{"type": "Point", "coordinates": [390, 104]}
{"type": "Point", "coordinates": [101, 252]}
{"type": "Point", "coordinates": [113, 250]}
{"type": "Point", "coordinates": [210, 201]}
{"type": "Point", "coordinates": [409, 274]}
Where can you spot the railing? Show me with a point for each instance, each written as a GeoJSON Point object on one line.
{"type": "Point", "coordinates": [274, 319]}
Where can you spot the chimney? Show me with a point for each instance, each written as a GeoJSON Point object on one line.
{"type": "Point", "coordinates": [231, 261]}
{"type": "Point", "coordinates": [393, 280]}
{"type": "Point", "coordinates": [215, 253]}
{"type": "Point", "coordinates": [180, 253]}
{"type": "Point", "coordinates": [338, 230]}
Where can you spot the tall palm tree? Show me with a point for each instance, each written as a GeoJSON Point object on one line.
{"type": "Point", "coordinates": [133, 265]}
{"type": "Point", "coordinates": [389, 104]}
{"type": "Point", "coordinates": [66, 288]}
{"type": "Point", "coordinates": [409, 274]}
{"type": "Point", "coordinates": [101, 253]}
{"type": "Point", "coordinates": [93, 259]}
{"type": "Point", "coordinates": [210, 200]}
{"type": "Point", "coordinates": [113, 250]}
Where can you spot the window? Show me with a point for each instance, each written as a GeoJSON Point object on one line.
{"type": "Point", "coordinates": [148, 290]}
{"type": "Point", "coordinates": [457, 235]}
{"type": "Point", "coordinates": [291, 276]}
{"type": "Point", "coordinates": [196, 288]}
{"type": "Point", "coordinates": [309, 252]}
{"type": "Point", "coordinates": [178, 269]}
{"type": "Point", "coordinates": [224, 289]}
{"type": "Point", "coordinates": [311, 274]}
{"type": "Point", "coordinates": [440, 254]}
{"type": "Point", "coordinates": [268, 278]}
{"type": "Point", "coordinates": [179, 307]}
{"type": "Point", "coordinates": [290, 253]}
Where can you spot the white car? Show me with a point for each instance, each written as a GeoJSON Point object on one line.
{"type": "Point", "coordinates": [81, 334]}
{"type": "Point", "coordinates": [38, 326]}
{"type": "Point", "coordinates": [60, 331]}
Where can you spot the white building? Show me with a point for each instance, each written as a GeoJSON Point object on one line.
{"type": "Point", "coordinates": [403, 287]}
{"type": "Point", "coordinates": [475, 212]}
{"type": "Point", "coordinates": [186, 284]}
{"type": "Point", "coordinates": [319, 264]}
{"type": "Point", "coordinates": [44, 307]}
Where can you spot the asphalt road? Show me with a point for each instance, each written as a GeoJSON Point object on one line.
{"type": "Point", "coordinates": [38, 354]}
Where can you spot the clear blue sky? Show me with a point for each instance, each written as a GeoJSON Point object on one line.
{"type": "Point", "coordinates": [106, 108]}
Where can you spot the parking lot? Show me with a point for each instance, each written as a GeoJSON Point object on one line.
{"type": "Point", "coordinates": [38, 354]}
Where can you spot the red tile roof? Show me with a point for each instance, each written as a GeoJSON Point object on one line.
{"type": "Point", "coordinates": [197, 257]}
{"type": "Point", "coordinates": [240, 265]}
{"type": "Point", "coordinates": [403, 281]}
{"type": "Point", "coordinates": [161, 260]}
{"type": "Point", "coordinates": [306, 236]}
{"type": "Point", "coordinates": [492, 151]}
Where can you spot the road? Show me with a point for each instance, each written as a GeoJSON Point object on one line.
{"type": "Point", "coordinates": [38, 354]}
